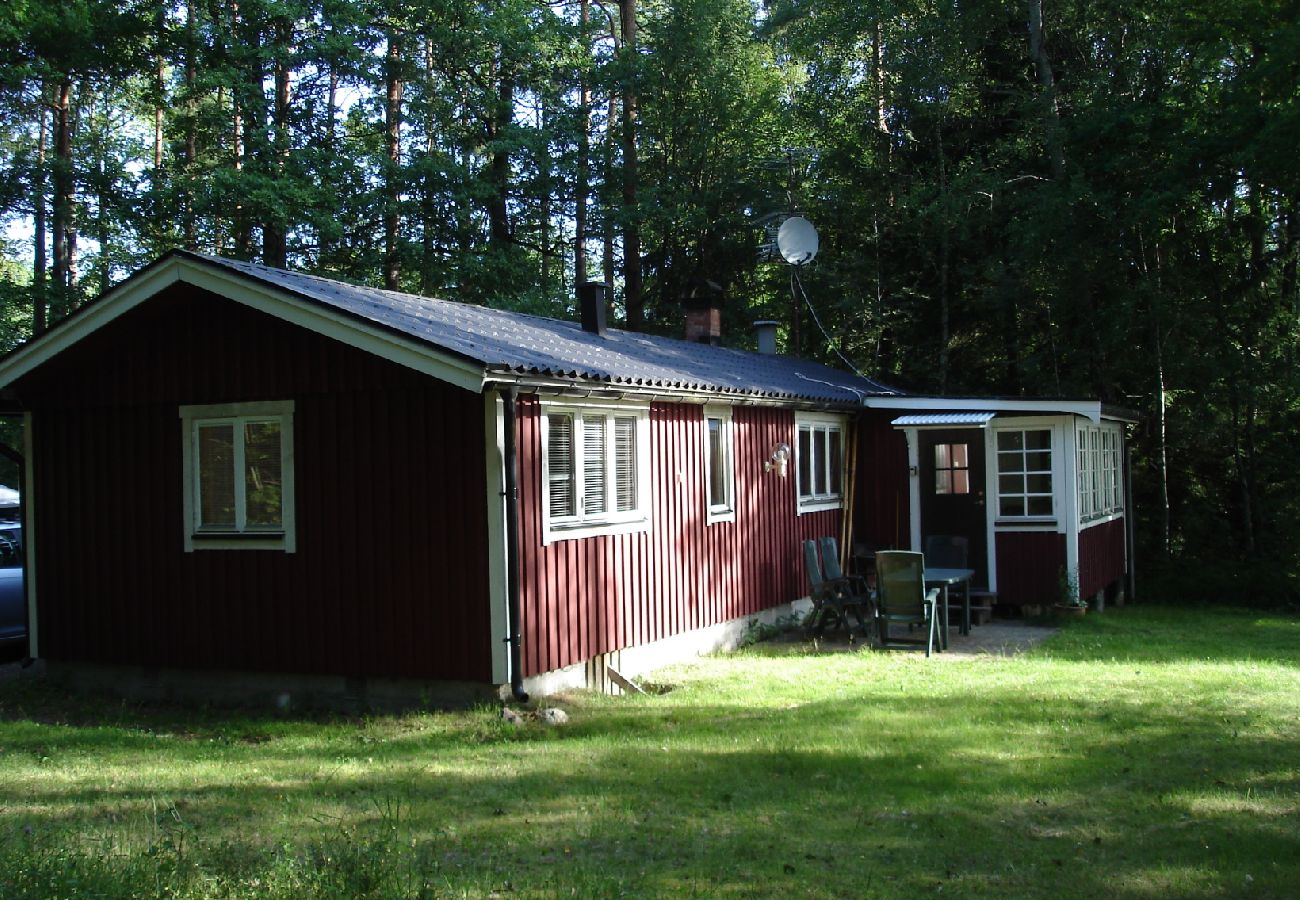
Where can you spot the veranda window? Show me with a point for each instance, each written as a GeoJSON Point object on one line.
{"type": "Point", "coordinates": [1025, 473]}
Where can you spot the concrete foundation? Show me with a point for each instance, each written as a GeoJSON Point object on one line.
{"type": "Point", "coordinates": [636, 661]}
{"type": "Point", "coordinates": [287, 692]}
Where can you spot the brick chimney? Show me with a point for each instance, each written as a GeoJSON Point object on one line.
{"type": "Point", "coordinates": [704, 313]}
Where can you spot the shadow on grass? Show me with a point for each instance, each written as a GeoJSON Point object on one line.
{"type": "Point", "coordinates": [1002, 791]}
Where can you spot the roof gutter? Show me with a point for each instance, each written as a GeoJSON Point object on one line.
{"type": "Point", "coordinates": [610, 391]}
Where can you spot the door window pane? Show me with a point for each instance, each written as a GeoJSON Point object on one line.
{"type": "Point", "coordinates": [951, 469]}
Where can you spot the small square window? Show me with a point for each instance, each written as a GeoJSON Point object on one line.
{"type": "Point", "coordinates": [238, 465]}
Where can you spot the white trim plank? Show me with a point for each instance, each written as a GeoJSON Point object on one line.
{"type": "Point", "coordinates": [29, 537]}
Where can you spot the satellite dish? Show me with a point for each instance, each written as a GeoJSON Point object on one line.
{"type": "Point", "coordinates": [797, 240]}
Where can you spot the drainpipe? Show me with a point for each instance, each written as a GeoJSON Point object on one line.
{"type": "Point", "coordinates": [508, 396]}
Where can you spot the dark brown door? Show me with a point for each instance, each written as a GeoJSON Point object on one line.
{"type": "Point", "coordinates": [952, 492]}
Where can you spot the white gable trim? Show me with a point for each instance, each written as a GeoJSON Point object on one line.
{"type": "Point", "coordinates": [241, 289]}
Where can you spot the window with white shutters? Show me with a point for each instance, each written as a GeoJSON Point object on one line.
{"type": "Point", "coordinates": [593, 460]}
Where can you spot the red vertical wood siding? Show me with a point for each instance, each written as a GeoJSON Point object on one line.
{"type": "Point", "coordinates": [1101, 556]}
{"type": "Point", "coordinates": [390, 577]}
{"type": "Point", "coordinates": [1029, 566]}
{"type": "Point", "coordinates": [882, 514]}
{"type": "Point", "coordinates": [588, 596]}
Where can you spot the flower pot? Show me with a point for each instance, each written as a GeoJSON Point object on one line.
{"type": "Point", "coordinates": [1070, 612]}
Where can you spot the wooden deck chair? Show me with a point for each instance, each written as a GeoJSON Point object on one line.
{"type": "Point", "coordinates": [832, 600]}
{"type": "Point", "coordinates": [901, 599]}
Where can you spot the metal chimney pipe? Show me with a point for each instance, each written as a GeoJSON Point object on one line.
{"type": "Point", "coordinates": [765, 330]}
{"type": "Point", "coordinates": [591, 299]}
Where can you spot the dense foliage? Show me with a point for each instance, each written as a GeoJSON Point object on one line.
{"type": "Point", "coordinates": [1016, 198]}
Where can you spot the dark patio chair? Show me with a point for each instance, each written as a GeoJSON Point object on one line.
{"type": "Point", "coordinates": [901, 599]}
{"type": "Point", "coordinates": [831, 599]}
{"type": "Point", "coordinates": [831, 565]}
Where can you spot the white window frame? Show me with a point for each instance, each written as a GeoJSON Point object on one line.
{"type": "Point", "coordinates": [584, 524]}
{"type": "Point", "coordinates": [1053, 451]}
{"type": "Point", "coordinates": [237, 538]}
{"type": "Point", "coordinates": [725, 511]}
{"type": "Point", "coordinates": [815, 424]}
{"type": "Point", "coordinates": [1097, 465]}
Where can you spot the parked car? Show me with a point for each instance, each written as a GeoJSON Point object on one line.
{"type": "Point", "coordinates": [13, 600]}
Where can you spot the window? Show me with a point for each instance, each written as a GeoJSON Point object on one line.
{"type": "Point", "coordinates": [595, 460]}
{"type": "Point", "coordinates": [718, 464]}
{"type": "Point", "coordinates": [951, 469]}
{"type": "Point", "coordinates": [238, 470]}
{"type": "Point", "coordinates": [1025, 473]}
{"type": "Point", "coordinates": [820, 462]}
{"type": "Point", "coordinates": [1099, 491]}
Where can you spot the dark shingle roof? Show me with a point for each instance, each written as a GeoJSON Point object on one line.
{"type": "Point", "coordinates": [532, 345]}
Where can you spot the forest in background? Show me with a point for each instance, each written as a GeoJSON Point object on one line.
{"type": "Point", "coordinates": [1028, 197]}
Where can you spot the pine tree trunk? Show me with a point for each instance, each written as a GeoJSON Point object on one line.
{"type": "Point", "coordinates": [275, 247]}
{"type": "Point", "coordinates": [1043, 66]}
{"type": "Point", "coordinates": [428, 208]}
{"type": "Point", "coordinates": [63, 193]}
{"type": "Point", "coordinates": [393, 146]}
{"type": "Point", "coordinates": [191, 126]}
{"type": "Point", "coordinates": [633, 301]}
{"type": "Point", "coordinates": [607, 204]}
{"type": "Point", "coordinates": [581, 187]}
{"type": "Point", "coordinates": [39, 299]}
{"type": "Point", "coordinates": [325, 237]}
{"type": "Point", "coordinates": [243, 227]}
{"type": "Point", "coordinates": [498, 204]}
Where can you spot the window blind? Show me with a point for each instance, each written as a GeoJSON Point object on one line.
{"type": "Point", "coordinates": [559, 464]}
{"type": "Point", "coordinates": [593, 465]}
{"type": "Point", "coordinates": [625, 492]}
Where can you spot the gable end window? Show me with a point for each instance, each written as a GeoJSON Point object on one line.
{"type": "Point", "coordinates": [719, 464]}
{"type": "Point", "coordinates": [238, 476]}
{"type": "Point", "coordinates": [596, 466]}
{"type": "Point", "coordinates": [819, 458]}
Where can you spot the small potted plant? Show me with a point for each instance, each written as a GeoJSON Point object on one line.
{"type": "Point", "coordinates": [1070, 605]}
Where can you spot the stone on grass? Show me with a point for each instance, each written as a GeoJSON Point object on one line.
{"type": "Point", "coordinates": [552, 716]}
{"type": "Point", "coordinates": [510, 716]}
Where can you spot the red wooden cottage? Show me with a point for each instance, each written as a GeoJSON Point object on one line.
{"type": "Point", "coordinates": [248, 481]}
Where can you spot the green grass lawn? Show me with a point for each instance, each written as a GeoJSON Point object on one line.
{"type": "Point", "coordinates": [1148, 752]}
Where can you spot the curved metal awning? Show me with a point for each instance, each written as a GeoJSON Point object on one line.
{"type": "Point", "coordinates": [945, 420]}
